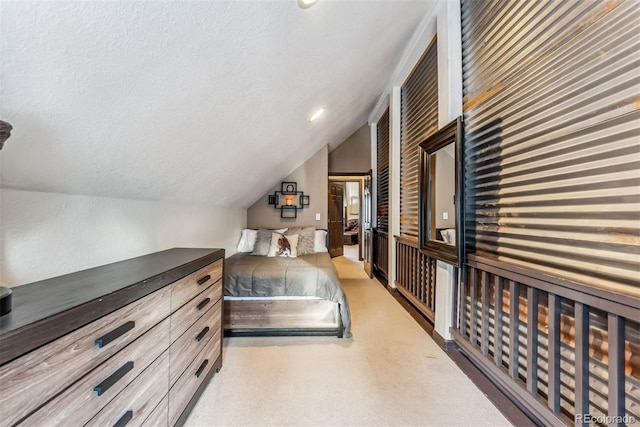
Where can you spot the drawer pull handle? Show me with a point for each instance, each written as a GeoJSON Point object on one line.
{"type": "Point", "coordinates": [116, 333]}
{"type": "Point", "coordinates": [203, 303]}
{"type": "Point", "coordinates": [204, 279]}
{"type": "Point", "coordinates": [124, 420]}
{"type": "Point", "coordinates": [202, 334]}
{"type": "Point", "coordinates": [201, 368]}
{"type": "Point", "coordinates": [114, 378]}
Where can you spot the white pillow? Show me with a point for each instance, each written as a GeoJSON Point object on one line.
{"type": "Point", "coordinates": [282, 245]}
{"type": "Point", "coordinates": [247, 240]}
{"type": "Point", "coordinates": [320, 245]}
{"type": "Point", "coordinates": [449, 236]}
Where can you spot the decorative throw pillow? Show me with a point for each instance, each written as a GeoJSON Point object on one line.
{"type": "Point", "coordinates": [449, 236]}
{"type": "Point", "coordinates": [282, 245]}
{"type": "Point", "coordinates": [247, 240]}
{"type": "Point", "coordinates": [306, 238]}
{"type": "Point", "coordinates": [320, 244]}
{"type": "Point", "coordinates": [263, 241]}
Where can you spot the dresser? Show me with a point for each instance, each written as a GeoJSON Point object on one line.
{"type": "Point", "coordinates": [133, 343]}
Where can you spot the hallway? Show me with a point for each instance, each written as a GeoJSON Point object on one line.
{"type": "Point", "coordinates": [390, 373]}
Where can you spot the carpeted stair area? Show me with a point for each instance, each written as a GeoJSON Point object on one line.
{"type": "Point", "coordinates": [390, 373]}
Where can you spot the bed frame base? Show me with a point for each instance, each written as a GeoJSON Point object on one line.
{"type": "Point", "coordinates": [282, 318]}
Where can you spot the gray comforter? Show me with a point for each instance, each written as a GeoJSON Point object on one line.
{"type": "Point", "coordinates": [314, 275]}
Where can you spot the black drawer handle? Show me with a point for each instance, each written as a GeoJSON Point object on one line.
{"type": "Point", "coordinates": [201, 368]}
{"type": "Point", "coordinates": [204, 279]}
{"type": "Point", "coordinates": [124, 420]}
{"type": "Point", "coordinates": [203, 303]}
{"type": "Point", "coordinates": [114, 378]}
{"type": "Point", "coordinates": [116, 333]}
{"type": "Point", "coordinates": [202, 334]}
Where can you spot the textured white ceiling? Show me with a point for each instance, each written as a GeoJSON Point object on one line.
{"type": "Point", "coordinates": [204, 102]}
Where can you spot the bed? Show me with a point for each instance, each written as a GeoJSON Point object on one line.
{"type": "Point", "coordinates": [277, 295]}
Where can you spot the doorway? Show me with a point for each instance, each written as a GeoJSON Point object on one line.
{"type": "Point", "coordinates": [351, 215]}
{"type": "Point", "coordinates": [336, 218]}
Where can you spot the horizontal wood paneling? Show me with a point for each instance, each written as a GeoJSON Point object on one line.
{"type": "Point", "coordinates": [550, 295]}
{"type": "Point", "coordinates": [551, 137]}
{"type": "Point", "coordinates": [418, 120]}
{"type": "Point", "coordinates": [383, 172]}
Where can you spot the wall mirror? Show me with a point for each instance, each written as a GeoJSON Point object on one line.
{"type": "Point", "coordinates": [440, 195]}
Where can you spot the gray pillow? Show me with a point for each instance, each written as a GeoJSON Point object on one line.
{"type": "Point", "coordinates": [263, 242]}
{"type": "Point", "coordinates": [306, 237]}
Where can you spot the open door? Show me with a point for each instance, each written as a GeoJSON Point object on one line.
{"type": "Point", "coordinates": [335, 219]}
{"type": "Point", "coordinates": [366, 214]}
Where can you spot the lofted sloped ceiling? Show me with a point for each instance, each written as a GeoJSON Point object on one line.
{"type": "Point", "coordinates": [187, 101]}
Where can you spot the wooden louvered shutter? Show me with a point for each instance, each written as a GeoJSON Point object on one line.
{"type": "Point", "coordinates": [551, 113]}
{"type": "Point", "coordinates": [383, 172]}
{"type": "Point", "coordinates": [418, 120]}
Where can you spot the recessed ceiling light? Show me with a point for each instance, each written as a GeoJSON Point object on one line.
{"type": "Point", "coordinates": [306, 4]}
{"type": "Point", "coordinates": [316, 115]}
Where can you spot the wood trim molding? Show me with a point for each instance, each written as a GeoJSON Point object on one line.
{"type": "Point", "coordinates": [447, 345]}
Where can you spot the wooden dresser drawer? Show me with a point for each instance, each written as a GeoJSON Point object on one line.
{"type": "Point", "coordinates": [183, 390]}
{"type": "Point", "coordinates": [57, 365]}
{"type": "Point", "coordinates": [185, 349]}
{"type": "Point", "coordinates": [182, 319]}
{"type": "Point", "coordinates": [188, 287]}
{"type": "Point", "coordinates": [135, 403]}
{"type": "Point", "coordinates": [160, 416]}
{"type": "Point", "coordinates": [83, 400]}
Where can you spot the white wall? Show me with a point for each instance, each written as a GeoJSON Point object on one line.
{"type": "Point", "coordinates": [49, 234]}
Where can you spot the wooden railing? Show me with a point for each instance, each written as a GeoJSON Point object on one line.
{"type": "Point", "coordinates": [381, 253]}
{"type": "Point", "coordinates": [416, 276]}
{"type": "Point", "coordinates": [575, 351]}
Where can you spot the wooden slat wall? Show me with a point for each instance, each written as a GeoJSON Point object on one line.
{"type": "Point", "coordinates": [566, 358]}
{"type": "Point", "coordinates": [381, 253]}
{"type": "Point", "coordinates": [418, 120]}
{"type": "Point", "coordinates": [380, 233]}
{"type": "Point", "coordinates": [551, 114]}
{"type": "Point", "coordinates": [416, 277]}
{"type": "Point", "coordinates": [550, 297]}
{"type": "Point", "coordinates": [383, 172]}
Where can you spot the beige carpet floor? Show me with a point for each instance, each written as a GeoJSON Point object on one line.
{"type": "Point", "coordinates": [390, 373]}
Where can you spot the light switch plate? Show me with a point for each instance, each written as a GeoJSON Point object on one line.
{"type": "Point", "coordinates": [317, 217]}
{"type": "Point", "coordinates": [445, 215]}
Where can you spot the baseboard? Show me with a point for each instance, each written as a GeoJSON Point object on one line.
{"type": "Point", "coordinates": [423, 321]}
{"type": "Point", "coordinates": [447, 345]}
{"type": "Point", "coordinates": [381, 278]}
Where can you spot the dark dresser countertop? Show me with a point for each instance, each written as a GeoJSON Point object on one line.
{"type": "Point", "coordinates": [46, 310]}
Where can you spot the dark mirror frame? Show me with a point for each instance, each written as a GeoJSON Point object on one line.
{"type": "Point", "coordinates": [439, 250]}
